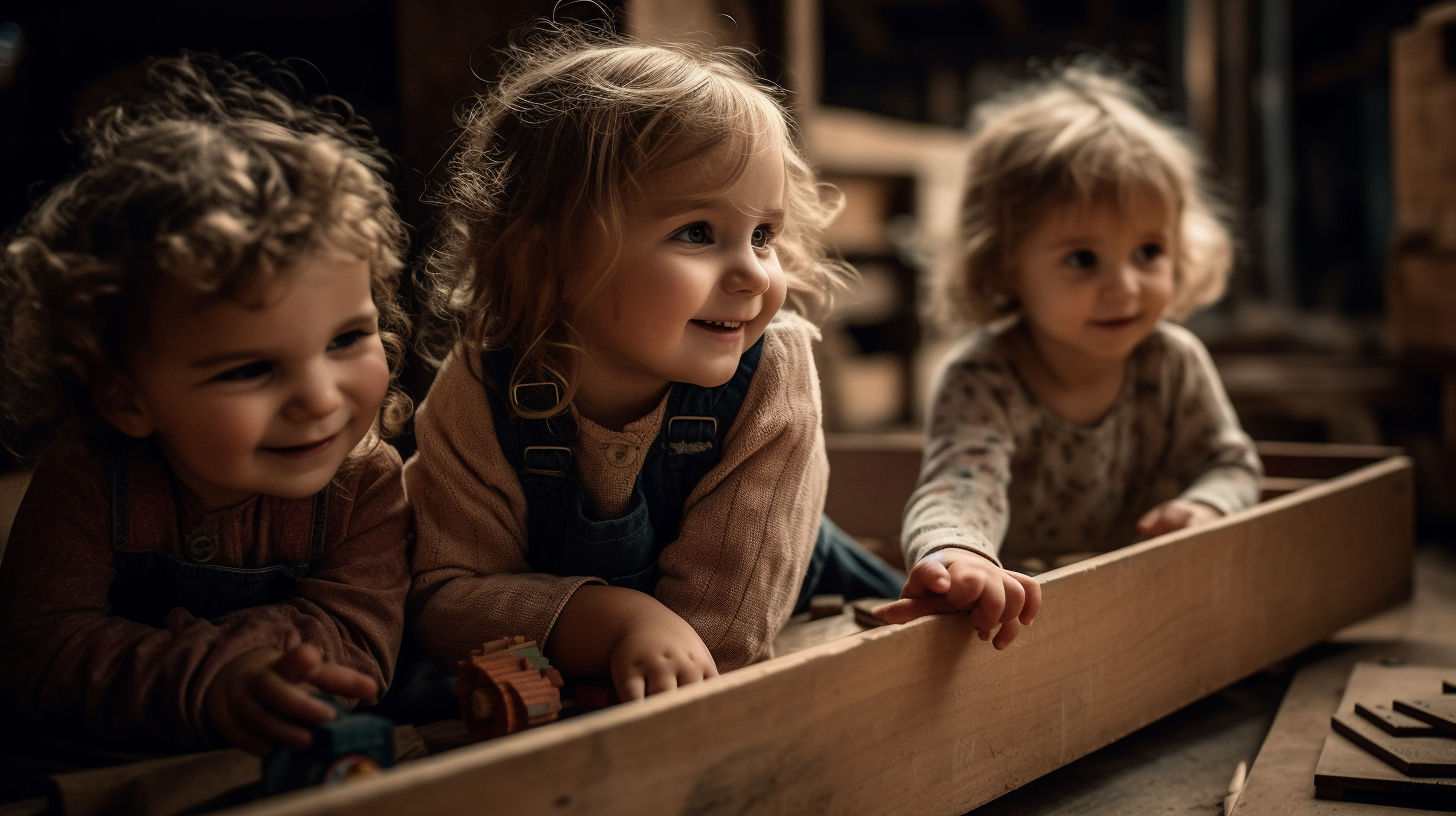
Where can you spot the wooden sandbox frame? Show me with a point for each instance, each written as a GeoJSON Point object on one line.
{"type": "Point", "coordinates": [925, 718]}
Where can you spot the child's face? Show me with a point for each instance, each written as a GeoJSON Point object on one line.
{"type": "Point", "coordinates": [265, 399]}
{"type": "Point", "coordinates": [1095, 280]}
{"type": "Point", "coordinates": [697, 280]}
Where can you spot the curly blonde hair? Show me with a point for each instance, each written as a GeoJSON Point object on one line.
{"type": "Point", "coordinates": [562, 146]}
{"type": "Point", "coordinates": [216, 179]}
{"type": "Point", "coordinates": [1080, 136]}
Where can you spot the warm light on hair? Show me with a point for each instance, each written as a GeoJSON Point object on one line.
{"type": "Point", "coordinates": [213, 180]}
{"type": "Point", "coordinates": [558, 153]}
{"type": "Point", "coordinates": [1080, 137]}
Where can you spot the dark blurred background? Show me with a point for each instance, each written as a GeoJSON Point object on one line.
{"type": "Point", "coordinates": [1335, 328]}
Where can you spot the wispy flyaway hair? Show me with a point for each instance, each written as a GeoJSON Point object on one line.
{"type": "Point", "coordinates": [557, 154]}
{"type": "Point", "coordinates": [1080, 136]}
{"type": "Point", "coordinates": [212, 178]}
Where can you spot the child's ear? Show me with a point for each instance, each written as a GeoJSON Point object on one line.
{"type": "Point", "coordinates": [118, 401]}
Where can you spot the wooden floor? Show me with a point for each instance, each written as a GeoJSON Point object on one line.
{"type": "Point", "coordinates": [1182, 764]}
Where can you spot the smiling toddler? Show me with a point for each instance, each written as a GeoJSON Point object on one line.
{"type": "Point", "coordinates": [1077, 418]}
{"type": "Point", "coordinates": [217, 529]}
{"type": "Point", "coordinates": [622, 455]}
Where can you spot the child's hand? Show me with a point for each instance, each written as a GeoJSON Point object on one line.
{"type": "Point", "coordinates": [256, 701]}
{"type": "Point", "coordinates": [954, 580]}
{"type": "Point", "coordinates": [1175, 514]}
{"type": "Point", "coordinates": [660, 651]}
{"type": "Point", "coordinates": [643, 645]}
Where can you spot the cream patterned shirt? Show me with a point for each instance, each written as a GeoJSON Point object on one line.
{"type": "Point", "coordinates": [1005, 477]}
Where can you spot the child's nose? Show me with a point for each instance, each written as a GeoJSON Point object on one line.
{"type": "Point", "coordinates": [317, 393]}
{"type": "Point", "coordinates": [746, 274]}
{"type": "Point", "coordinates": [1123, 281]}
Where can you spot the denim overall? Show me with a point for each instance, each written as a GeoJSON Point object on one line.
{"type": "Point", "coordinates": [565, 539]}
{"type": "Point", "coordinates": [151, 583]}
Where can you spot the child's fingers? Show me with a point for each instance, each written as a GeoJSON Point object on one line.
{"type": "Point", "coordinates": [1009, 630]}
{"type": "Point", "coordinates": [928, 577]}
{"type": "Point", "coordinates": [299, 663]}
{"type": "Point", "coordinates": [986, 614]}
{"type": "Point", "coordinates": [967, 586]}
{"type": "Point", "coordinates": [661, 677]}
{"type": "Point", "coordinates": [908, 609]}
{"type": "Point", "coordinates": [630, 683]}
{"type": "Point", "coordinates": [269, 726]}
{"type": "Point", "coordinates": [1015, 597]}
{"type": "Point", "coordinates": [343, 681]}
{"type": "Point", "coordinates": [289, 699]}
{"type": "Point", "coordinates": [1032, 605]}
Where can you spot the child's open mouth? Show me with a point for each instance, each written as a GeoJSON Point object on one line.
{"type": "Point", "coordinates": [719, 326]}
{"type": "Point", "coordinates": [299, 451]}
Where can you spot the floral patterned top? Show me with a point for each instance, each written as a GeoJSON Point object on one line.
{"type": "Point", "coordinates": [1005, 477]}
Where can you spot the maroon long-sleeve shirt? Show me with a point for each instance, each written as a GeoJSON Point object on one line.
{"type": "Point", "coordinates": [67, 662]}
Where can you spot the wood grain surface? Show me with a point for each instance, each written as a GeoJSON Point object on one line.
{"type": "Point", "coordinates": [924, 718]}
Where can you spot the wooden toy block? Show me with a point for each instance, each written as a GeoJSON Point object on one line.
{"type": "Point", "coordinates": [1438, 711]}
{"type": "Point", "coordinates": [1412, 756]}
{"type": "Point", "coordinates": [507, 685]}
{"type": "Point", "coordinates": [1395, 723]}
{"type": "Point", "coordinates": [825, 606]}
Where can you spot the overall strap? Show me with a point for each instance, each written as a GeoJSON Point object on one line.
{"type": "Point", "coordinates": [320, 527]}
{"type": "Point", "coordinates": [120, 518]}
{"type": "Point", "coordinates": [690, 443]}
{"type": "Point", "coordinates": [539, 450]}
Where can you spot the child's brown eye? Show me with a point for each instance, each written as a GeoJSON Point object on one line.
{"type": "Point", "coordinates": [347, 339]}
{"type": "Point", "coordinates": [762, 236]}
{"type": "Point", "coordinates": [1081, 259]}
{"type": "Point", "coordinates": [245, 372]}
{"type": "Point", "coordinates": [1148, 253]}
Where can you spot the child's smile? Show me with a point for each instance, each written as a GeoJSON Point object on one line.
{"type": "Point", "coordinates": [696, 283]}
{"type": "Point", "coordinates": [258, 399]}
{"type": "Point", "coordinates": [1094, 281]}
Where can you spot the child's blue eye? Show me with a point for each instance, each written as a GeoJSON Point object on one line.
{"type": "Point", "coordinates": [693, 234]}
{"type": "Point", "coordinates": [347, 339]}
{"type": "Point", "coordinates": [1148, 253]}
{"type": "Point", "coordinates": [762, 236]}
{"type": "Point", "coordinates": [250, 371]}
{"type": "Point", "coordinates": [1081, 259]}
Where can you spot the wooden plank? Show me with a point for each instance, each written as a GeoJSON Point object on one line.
{"type": "Point", "coordinates": [924, 717]}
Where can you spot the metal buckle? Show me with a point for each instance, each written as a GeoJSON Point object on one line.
{"type": "Point", "coordinates": [516, 394]}
{"type": "Point", "coordinates": [541, 471]}
{"type": "Point", "coordinates": [713, 420]}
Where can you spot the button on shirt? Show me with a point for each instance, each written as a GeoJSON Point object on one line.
{"type": "Point", "coordinates": [607, 462]}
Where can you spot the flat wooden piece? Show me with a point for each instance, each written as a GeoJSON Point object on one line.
{"type": "Point", "coordinates": [1439, 712]}
{"type": "Point", "coordinates": [1395, 723]}
{"type": "Point", "coordinates": [1412, 756]}
{"type": "Point", "coordinates": [925, 718]}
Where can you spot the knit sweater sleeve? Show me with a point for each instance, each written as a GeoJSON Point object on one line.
{"type": "Point", "coordinates": [471, 579]}
{"type": "Point", "coordinates": [1221, 465]}
{"type": "Point", "coordinates": [749, 526]}
{"type": "Point", "coordinates": [961, 498]}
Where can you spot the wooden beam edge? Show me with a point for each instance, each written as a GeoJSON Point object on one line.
{"type": "Point", "coordinates": [933, 650]}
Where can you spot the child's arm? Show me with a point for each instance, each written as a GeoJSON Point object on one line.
{"type": "Point", "coordinates": [1209, 448]}
{"type": "Point", "coordinates": [471, 579]}
{"type": "Point", "coordinates": [643, 645]}
{"type": "Point", "coordinates": [68, 662]}
{"type": "Point", "coordinates": [748, 527]}
{"type": "Point", "coordinates": [958, 514]}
